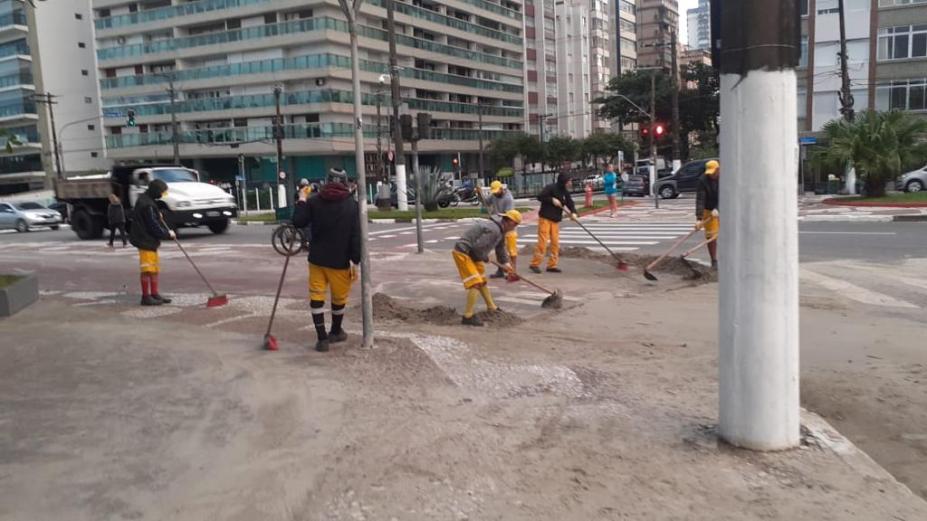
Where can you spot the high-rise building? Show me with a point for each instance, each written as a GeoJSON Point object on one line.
{"type": "Point", "coordinates": [887, 58]}
{"type": "Point", "coordinates": [22, 170]}
{"type": "Point", "coordinates": [657, 20]}
{"type": "Point", "coordinates": [541, 83]}
{"type": "Point", "coordinates": [624, 25]}
{"type": "Point", "coordinates": [457, 60]}
{"type": "Point", "coordinates": [574, 68]}
{"type": "Point", "coordinates": [698, 23]}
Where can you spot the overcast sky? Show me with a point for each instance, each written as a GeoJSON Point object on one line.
{"type": "Point", "coordinates": [684, 6]}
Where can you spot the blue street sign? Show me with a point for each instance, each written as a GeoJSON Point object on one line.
{"type": "Point", "coordinates": [113, 114]}
{"type": "Point", "coordinates": [808, 140]}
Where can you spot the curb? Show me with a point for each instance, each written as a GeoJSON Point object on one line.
{"type": "Point", "coordinates": [846, 219]}
{"type": "Point", "coordinates": [909, 218]}
{"type": "Point", "coordinates": [835, 201]}
{"type": "Point", "coordinates": [256, 223]}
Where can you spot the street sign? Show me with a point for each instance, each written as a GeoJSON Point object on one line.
{"type": "Point", "coordinates": [808, 140]}
{"type": "Point", "coordinates": [113, 114]}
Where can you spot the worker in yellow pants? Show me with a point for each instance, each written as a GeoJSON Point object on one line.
{"type": "Point", "coordinates": [706, 207]}
{"type": "Point", "coordinates": [146, 234]}
{"type": "Point", "coordinates": [554, 198]}
{"type": "Point", "coordinates": [470, 254]}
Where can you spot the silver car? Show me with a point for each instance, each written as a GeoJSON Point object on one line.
{"type": "Point", "coordinates": [22, 217]}
{"type": "Point", "coordinates": [914, 181]}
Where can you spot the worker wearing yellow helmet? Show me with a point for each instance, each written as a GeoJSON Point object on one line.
{"type": "Point", "coordinates": [471, 252]}
{"type": "Point", "coordinates": [706, 207]}
{"type": "Point", "coordinates": [501, 201]}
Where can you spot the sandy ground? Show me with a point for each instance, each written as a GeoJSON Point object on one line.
{"type": "Point", "coordinates": [604, 410]}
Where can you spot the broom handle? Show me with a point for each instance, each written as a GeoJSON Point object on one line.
{"type": "Point", "coordinates": [273, 311]}
{"type": "Point", "coordinates": [198, 272]}
{"type": "Point", "coordinates": [704, 243]}
{"type": "Point", "coordinates": [613, 254]}
{"type": "Point", "coordinates": [538, 286]}
{"type": "Point", "coordinates": [672, 248]}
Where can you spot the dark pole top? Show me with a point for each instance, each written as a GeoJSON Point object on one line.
{"type": "Point", "coordinates": [760, 35]}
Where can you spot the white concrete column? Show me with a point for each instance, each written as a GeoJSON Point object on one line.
{"type": "Point", "coordinates": [758, 257]}
{"type": "Point", "coordinates": [401, 196]}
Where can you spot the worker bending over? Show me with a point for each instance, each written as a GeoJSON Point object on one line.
{"type": "Point", "coordinates": [471, 252]}
{"type": "Point", "coordinates": [554, 197]}
{"type": "Point", "coordinates": [706, 207]}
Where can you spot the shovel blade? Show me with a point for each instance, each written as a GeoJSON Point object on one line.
{"type": "Point", "coordinates": [649, 276]}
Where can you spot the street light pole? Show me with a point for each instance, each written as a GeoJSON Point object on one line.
{"type": "Point", "coordinates": [653, 139]}
{"type": "Point", "coordinates": [48, 99]}
{"type": "Point", "coordinates": [758, 312]}
{"type": "Point", "coordinates": [175, 136]}
{"type": "Point", "coordinates": [350, 12]}
{"type": "Point", "coordinates": [677, 141]}
{"type": "Point", "coordinates": [401, 196]}
{"type": "Point", "coordinates": [278, 137]}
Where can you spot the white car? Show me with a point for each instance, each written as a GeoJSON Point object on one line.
{"type": "Point", "coordinates": [22, 217]}
{"type": "Point", "coordinates": [914, 181]}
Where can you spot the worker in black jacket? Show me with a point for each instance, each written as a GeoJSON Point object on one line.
{"type": "Point", "coordinates": [146, 233]}
{"type": "Point", "coordinates": [334, 250]}
{"type": "Point", "coordinates": [554, 197]}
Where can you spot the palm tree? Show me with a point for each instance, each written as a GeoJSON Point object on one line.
{"type": "Point", "coordinates": [880, 145]}
{"type": "Point", "coordinates": [12, 140]}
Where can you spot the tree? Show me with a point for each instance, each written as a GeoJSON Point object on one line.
{"type": "Point", "coordinates": [503, 150]}
{"type": "Point", "coordinates": [12, 140]}
{"type": "Point", "coordinates": [606, 145]}
{"type": "Point", "coordinates": [635, 85]}
{"type": "Point", "coordinates": [560, 150]}
{"type": "Point", "coordinates": [880, 145]}
{"type": "Point", "coordinates": [530, 149]}
{"type": "Point", "coordinates": [700, 101]}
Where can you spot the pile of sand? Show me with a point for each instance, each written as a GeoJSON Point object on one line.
{"type": "Point", "coordinates": [387, 308]}
{"type": "Point", "coordinates": [672, 265]}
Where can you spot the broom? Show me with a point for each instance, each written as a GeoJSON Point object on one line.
{"type": "Point", "coordinates": [554, 299]}
{"type": "Point", "coordinates": [290, 237]}
{"type": "Point", "coordinates": [216, 299]}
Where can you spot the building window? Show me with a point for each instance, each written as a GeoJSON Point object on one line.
{"type": "Point", "coordinates": [804, 7]}
{"type": "Point", "coordinates": [88, 100]}
{"type": "Point", "coordinates": [91, 127]}
{"type": "Point", "coordinates": [902, 95]}
{"type": "Point", "coordinates": [803, 60]}
{"type": "Point", "coordinates": [82, 45]}
{"type": "Point", "coordinates": [84, 72]}
{"type": "Point", "coordinates": [94, 154]}
{"type": "Point", "coordinates": [905, 41]}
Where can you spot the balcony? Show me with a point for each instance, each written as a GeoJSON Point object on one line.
{"type": "Point", "coordinates": [174, 11]}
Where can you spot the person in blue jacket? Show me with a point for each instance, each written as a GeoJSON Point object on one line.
{"type": "Point", "coordinates": [612, 191]}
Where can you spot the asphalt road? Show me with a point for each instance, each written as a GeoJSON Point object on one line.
{"type": "Point", "coordinates": [818, 241]}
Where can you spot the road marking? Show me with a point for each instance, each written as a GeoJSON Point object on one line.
{"type": "Point", "coordinates": [608, 242]}
{"type": "Point", "coordinates": [432, 241]}
{"type": "Point", "coordinates": [886, 273]}
{"type": "Point", "coordinates": [854, 292]}
{"type": "Point", "coordinates": [387, 236]}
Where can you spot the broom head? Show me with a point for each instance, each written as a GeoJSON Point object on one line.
{"type": "Point", "coordinates": [217, 300]}
{"type": "Point", "coordinates": [270, 342]}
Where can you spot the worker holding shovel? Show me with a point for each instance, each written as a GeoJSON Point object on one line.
{"type": "Point", "coordinates": [554, 197]}
{"type": "Point", "coordinates": [146, 233]}
{"type": "Point", "coordinates": [706, 208]}
{"type": "Point", "coordinates": [471, 252]}
{"type": "Point", "coordinates": [334, 251]}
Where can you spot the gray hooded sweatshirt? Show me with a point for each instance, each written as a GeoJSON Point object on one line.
{"type": "Point", "coordinates": [483, 237]}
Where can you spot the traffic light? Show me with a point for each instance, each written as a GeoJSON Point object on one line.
{"type": "Point", "coordinates": [424, 125]}
{"type": "Point", "coordinates": [645, 131]}
{"type": "Point", "coordinates": [455, 162]}
{"type": "Point", "coordinates": [659, 130]}
{"type": "Point", "coordinates": [405, 125]}
{"type": "Point", "coordinates": [130, 121]}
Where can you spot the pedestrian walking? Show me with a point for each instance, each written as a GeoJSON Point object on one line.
{"type": "Point", "coordinates": [554, 198]}
{"type": "Point", "coordinates": [146, 233]}
{"type": "Point", "coordinates": [471, 252]}
{"type": "Point", "coordinates": [611, 189]}
{"type": "Point", "coordinates": [501, 201]}
{"type": "Point", "coordinates": [706, 207]}
{"type": "Point", "coordinates": [334, 252]}
{"type": "Point", "coordinates": [116, 215]}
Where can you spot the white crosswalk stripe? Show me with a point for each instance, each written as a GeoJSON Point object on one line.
{"type": "Point", "coordinates": [617, 235]}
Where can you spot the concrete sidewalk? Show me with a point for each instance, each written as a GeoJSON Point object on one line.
{"type": "Point", "coordinates": [601, 411]}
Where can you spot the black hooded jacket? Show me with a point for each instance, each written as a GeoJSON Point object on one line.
{"type": "Point", "coordinates": [332, 216]}
{"type": "Point", "coordinates": [559, 191]}
{"type": "Point", "coordinates": [148, 230]}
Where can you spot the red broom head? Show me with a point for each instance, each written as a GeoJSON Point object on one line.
{"type": "Point", "coordinates": [270, 343]}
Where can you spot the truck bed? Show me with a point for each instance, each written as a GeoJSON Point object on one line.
{"type": "Point", "coordinates": [93, 188]}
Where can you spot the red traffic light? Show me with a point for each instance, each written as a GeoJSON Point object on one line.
{"type": "Point", "coordinates": [454, 161]}
{"type": "Point", "coordinates": [659, 130]}
{"type": "Point", "coordinates": [645, 131]}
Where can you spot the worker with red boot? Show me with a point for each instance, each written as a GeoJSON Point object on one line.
{"type": "Point", "coordinates": [554, 198]}
{"type": "Point", "coordinates": [146, 233]}
{"type": "Point", "coordinates": [334, 251]}
{"type": "Point", "coordinates": [706, 207]}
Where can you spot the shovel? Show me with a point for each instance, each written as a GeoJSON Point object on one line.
{"type": "Point", "coordinates": [696, 274]}
{"type": "Point", "coordinates": [554, 298]}
{"type": "Point", "coordinates": [650, 276]}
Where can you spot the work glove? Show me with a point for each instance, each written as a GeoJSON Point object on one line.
{"type": "Point", "coordinates": [353, 270]}
{"type": "Point", "coordinates": [699, 225]}
{"type": "Point", "coordinates": [556, 202]}
{"type": "Point", "coordinates": [714, 213]}
{"type": "Point", "coordinates": [574, 217]}
{"type": "Point", "coordinates": [507, 267]}
{"type": "Point", "coordinates": [172, 233]}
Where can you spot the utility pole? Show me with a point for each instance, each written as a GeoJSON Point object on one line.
{"type": "Point", "coordinates": [479, 114]}
{"type": "Point", "coordinates": [677, 145]}
{"type": "Point", "coordinates": [351, 12]}
{"type": "Point", "coordinates": [48, 99]}
{"type": "Point", "coordinates": [653, 138]}
{"type": "Point", "coordinates": [175, 135]}
{"type": "Point", "coordinates": [845, 96]}
{"type": "Point", "coordinates": [758, 314]}
{"type": "Point", "coordinates": [278, 137]}
{"type": "Point", "coordinates": [380, 168]}
{"type": "Point", "coordinates": [401, 196]}
{"type": "Point", "coordinates": [423, 131]}
{"type": "Point", "coordinates": [244, 182]}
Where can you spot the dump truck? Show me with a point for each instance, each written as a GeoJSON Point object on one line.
{"type": "Point", "coordinates": [188, 202]}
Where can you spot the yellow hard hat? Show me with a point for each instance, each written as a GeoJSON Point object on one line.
{"type": "Point", "coordinates": [495, 187]}
{"type": "Point", "coordinates": [513, 215]}
{"type": "Point", "coordinates": [711, 167]}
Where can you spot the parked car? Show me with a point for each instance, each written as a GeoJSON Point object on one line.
{"type": "Point", "coordinates": [637, 184]}
{"type": "Point", "coordinates": [24, 216]}
{"type": "Point", "coordinates": [596, 180]}
{"type": "Point", "coordinates": [914, 181]}
{"type": "Point", "coordinates": [61, 208]}
{"type": "Point", "coordinates": [683, 180]}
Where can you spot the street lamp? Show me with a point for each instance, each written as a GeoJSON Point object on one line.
{"type": "Point", "coordinates": [60, 144]}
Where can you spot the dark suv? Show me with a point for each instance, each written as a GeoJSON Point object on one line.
{"type": "Point", "coordinates": [684, 180]}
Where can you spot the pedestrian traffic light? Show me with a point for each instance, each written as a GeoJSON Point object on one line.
{"type": "Point", "coordinates": [130, 121]}
{"type": "Point", "coordinates": [405, 125]}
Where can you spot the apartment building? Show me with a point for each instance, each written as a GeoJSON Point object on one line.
{"type": "Point", "coordinates": [19, 116]}
{"type": "Point", "coordinates": [698, 22]}
{"type": "Point", "coordinates": [657, 20]}
{"type": "Point", "coordinates": [624, 25]}
{"type": "Point", "coordinates": [457, 58]}
{"type": "Point", "coordinates": [541, 85]}
{"type": "Point", "coordinates": [574, 67]}
{"type": "Point", "coordinates": [887, 58]}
